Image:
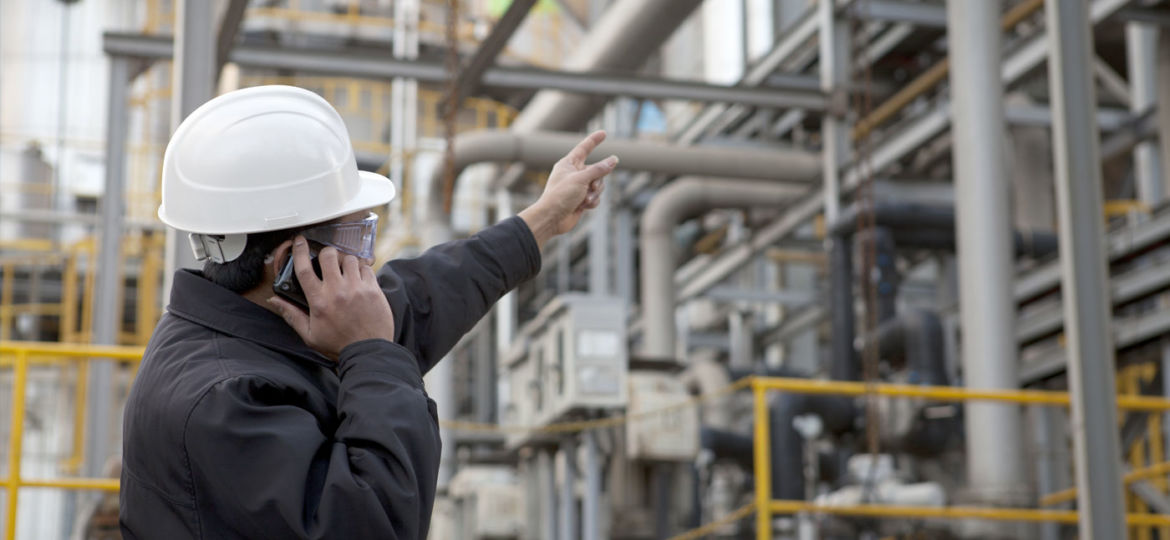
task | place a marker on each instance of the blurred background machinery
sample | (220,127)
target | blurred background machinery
(860,260)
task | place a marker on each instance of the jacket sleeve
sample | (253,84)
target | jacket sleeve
(264,467)
(440,295)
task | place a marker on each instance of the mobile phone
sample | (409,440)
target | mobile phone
(286,285)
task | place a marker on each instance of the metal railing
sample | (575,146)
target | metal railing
(766,507)
(19,356)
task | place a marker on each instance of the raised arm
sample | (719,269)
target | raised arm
(439,296)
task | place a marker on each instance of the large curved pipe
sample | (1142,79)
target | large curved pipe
(622,39)
(542,149)
(680,200)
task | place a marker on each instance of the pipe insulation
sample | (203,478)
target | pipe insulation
(683,199)
(996,465)
(544,148)
(622,39)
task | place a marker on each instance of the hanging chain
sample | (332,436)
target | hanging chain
(450,109)
(866,228)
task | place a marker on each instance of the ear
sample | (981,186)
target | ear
(277,258)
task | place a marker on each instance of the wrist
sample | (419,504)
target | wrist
(540,221)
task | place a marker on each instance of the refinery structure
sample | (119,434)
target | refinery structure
(867,268)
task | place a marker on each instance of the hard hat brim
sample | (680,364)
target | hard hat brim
(377,190)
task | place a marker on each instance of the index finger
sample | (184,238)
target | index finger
(580,153)
(308,279)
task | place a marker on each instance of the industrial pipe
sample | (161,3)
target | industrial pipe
(916,338)
(836,414)
(543,149)
(622,39)
(680,200)
(996,468)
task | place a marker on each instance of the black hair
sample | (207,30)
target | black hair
(245,272)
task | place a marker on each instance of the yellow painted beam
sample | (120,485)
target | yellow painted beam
(948,393)
(952,512)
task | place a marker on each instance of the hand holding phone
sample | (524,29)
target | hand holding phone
(288,287)
(347,303)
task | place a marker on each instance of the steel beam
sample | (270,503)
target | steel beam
(229,28)
(194,84)
(1084,272)
(1151,495)
(107,298)
(918,14)
(372,66)
(1029,56)
(468,81)
(1141,57)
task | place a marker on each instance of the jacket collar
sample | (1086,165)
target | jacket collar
(197,299)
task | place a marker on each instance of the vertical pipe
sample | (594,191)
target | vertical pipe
(547,487)
(193,84)
(624,248)
(1040,418)
(843,366)
(591,504)
(1084,276)
(440,380)
(68,326)
(599,246)
(1141,57)
(995,456)
(762,457)
(567,500)
(6,301)
(1163,85)
(16,440)
(107,300)
(834,74)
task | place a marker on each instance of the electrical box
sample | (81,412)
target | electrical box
(488,503)
(571,358)
(671,435)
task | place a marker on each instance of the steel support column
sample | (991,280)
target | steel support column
(1141,54)
(567,499)
(591,502)
(1084,273)
(107,297)
(194,84)
(1163,86)
(834,71)
(996,469)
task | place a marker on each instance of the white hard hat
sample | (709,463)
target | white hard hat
(261,159)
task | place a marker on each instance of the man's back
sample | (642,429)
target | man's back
(232,430)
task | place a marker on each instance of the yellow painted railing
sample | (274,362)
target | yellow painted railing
(766,507)
(20,355)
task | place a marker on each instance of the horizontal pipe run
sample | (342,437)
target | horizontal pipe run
(952,512)
(947,393)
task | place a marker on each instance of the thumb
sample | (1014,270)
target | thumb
(297,319)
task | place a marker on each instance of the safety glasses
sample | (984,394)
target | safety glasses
(355,237)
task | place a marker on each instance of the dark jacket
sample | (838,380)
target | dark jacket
(236,429)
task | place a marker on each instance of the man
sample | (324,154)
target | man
(254,418)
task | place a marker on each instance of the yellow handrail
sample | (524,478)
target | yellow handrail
(767,507)
(23,353)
